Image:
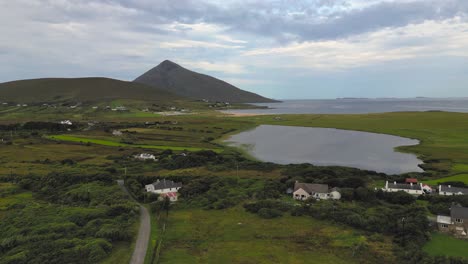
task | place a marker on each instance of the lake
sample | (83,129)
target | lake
(359,106)
(328,146)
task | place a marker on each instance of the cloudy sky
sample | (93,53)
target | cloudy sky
(281,49)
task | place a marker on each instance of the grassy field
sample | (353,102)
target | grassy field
(458,178)
(110,143)
(235,236)
(445,245)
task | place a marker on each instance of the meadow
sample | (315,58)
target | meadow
(235,236)
(442,245)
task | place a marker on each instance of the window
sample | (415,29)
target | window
(444,225)
(458,220)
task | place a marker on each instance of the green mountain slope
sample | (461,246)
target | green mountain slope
(175,78)
(80,89)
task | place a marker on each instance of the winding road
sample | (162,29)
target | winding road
(139,253)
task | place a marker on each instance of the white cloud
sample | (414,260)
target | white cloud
(186,43)
(431,38)
(230,68)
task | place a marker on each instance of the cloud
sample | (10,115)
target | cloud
(431,38)
(230,68)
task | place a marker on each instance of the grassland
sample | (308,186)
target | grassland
(110,143)
(445,245)
(235,236)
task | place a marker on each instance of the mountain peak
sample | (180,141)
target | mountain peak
(168,65)
(179,80)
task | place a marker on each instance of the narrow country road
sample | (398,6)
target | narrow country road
(139,253)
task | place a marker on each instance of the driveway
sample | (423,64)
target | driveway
(139,253)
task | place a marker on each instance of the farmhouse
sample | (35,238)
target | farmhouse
(145,156)
(456,223)
(164,189)
(66,122)
(117,133)
(450,190)
(302,191)
(411,188)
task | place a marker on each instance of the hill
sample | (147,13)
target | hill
(80,89)
(179,80)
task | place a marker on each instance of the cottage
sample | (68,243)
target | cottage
(456,223)
(117,133)
(164,188)
(411,188)
(66,122)
(145,156)
(450,190)
(302,191)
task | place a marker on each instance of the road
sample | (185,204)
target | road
(139,253)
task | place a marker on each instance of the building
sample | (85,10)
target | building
(145,156)
(66,122)
(450,190)
(411,188)
(302,191)
(411,180)
(117,133)
(456,223)
(164,188)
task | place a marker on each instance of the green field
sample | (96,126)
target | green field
(119,144)
(455,178)
(445,245)
(235,236)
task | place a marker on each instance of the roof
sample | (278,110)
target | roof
(459,212)
(445,188)
(170,194)
(442,219)
(311,187)
(159,185)
(413,180)
(404,186)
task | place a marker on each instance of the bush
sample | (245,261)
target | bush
(269,213)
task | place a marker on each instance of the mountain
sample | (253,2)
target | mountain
(80,89)
(175,78)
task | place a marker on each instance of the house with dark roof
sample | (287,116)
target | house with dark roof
(451,190)
(456,223)
(165,188)
(302,191)
(411,188)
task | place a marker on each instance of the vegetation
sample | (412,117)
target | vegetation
(443,245)
(53,219)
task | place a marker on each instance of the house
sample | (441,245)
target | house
(66,122)
(456,223)
(164,188)
(302,191)
(411,188)
(450,190)
(145,156)
(117,133)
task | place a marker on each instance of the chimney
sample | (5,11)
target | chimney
(394,182)
(411,184)
(450,186)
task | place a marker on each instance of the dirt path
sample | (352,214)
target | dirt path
(139,253)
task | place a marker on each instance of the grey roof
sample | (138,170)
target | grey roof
(445,188)
(159,185)
(459,212)
(404,186)
(311,188)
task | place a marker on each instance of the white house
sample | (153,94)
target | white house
(66,122)
(164,189)
(117,133)
(302,191)
(145,156)
(411,188)
(450,190)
